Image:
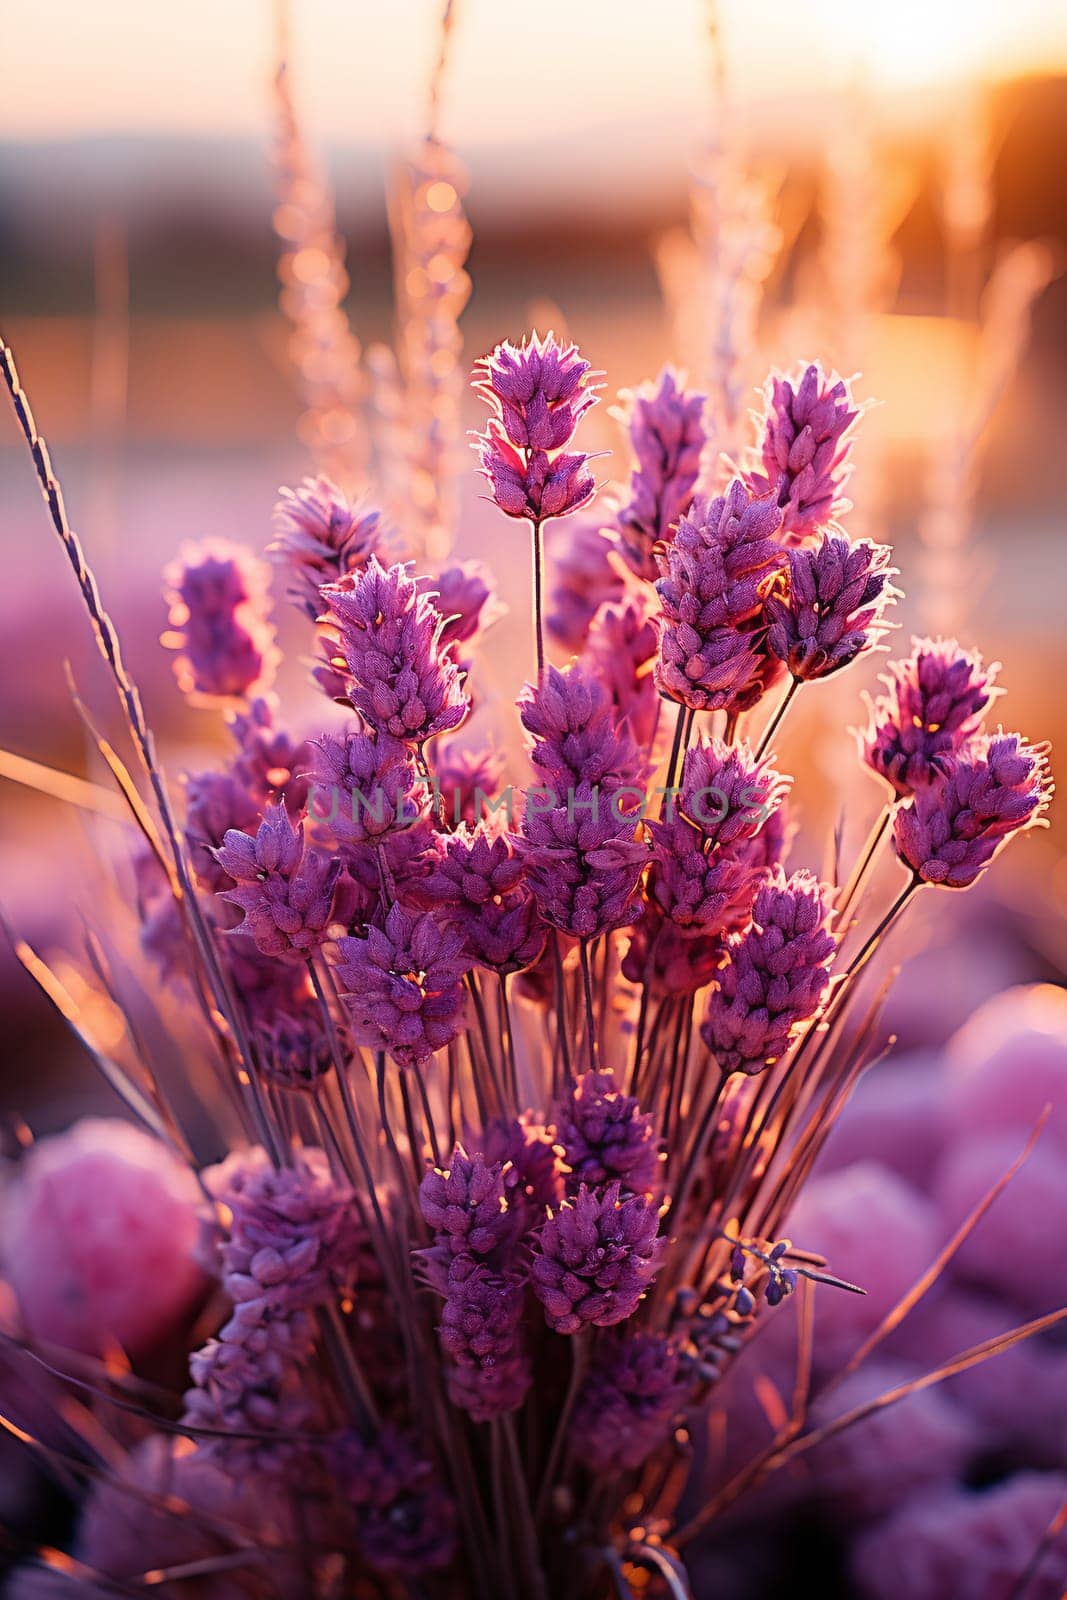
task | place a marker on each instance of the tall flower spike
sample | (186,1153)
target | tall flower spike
(666,428)
(466,1205)
(712,649)
(320,537)
(363,788)
(583,862)
(576,739)
(538,393)
(776,975)
(285,891)
(481,1332)
(830,605)
(953,827)
(482,894)
(622,648)
(293,1240)
(595,1257)
(804,450)
(628,1402)
(219,610)
(605,1135)
(727,792)
(402,986)
(388,644)
(934,704)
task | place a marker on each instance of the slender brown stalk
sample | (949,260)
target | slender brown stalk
(778,718)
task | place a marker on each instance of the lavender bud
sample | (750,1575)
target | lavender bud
(775,977)
(388,647)
(218,618)
(804,450)
(953,827)
(320,537)
(595,1257)
(402,986)
(287,893)
(935,703)
(665,424)
(605,1135)
(829,606)
(629,1402)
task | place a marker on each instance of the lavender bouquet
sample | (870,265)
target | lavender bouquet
(514,1077)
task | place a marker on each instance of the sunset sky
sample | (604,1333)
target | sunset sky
(519,71)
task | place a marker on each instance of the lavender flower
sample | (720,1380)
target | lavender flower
(954,826)
(538,393)
(404,1521)
(287,893)
(465,1205)
(829,607)
(776,975)
(218,619)
(388,643)
(728,793)
(480,881)
(666,428)
(595,1257)
(576,739)
(536,486)
(935,703)
(249,1391)
(583,863)
(403,986)
(539,390)
(712,651)
(480,1331)
(363,787)
(629,1402)
(703,891)
(320,537)
(605,1135)
(293,1237)
(804,451)
(531,1165)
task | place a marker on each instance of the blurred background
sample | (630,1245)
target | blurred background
(881,188)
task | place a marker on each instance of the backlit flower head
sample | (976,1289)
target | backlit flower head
(387,644)
(219,611)
(583,862)
(320,536)
(667,434)
(727,793)
(402,985)
(775,977)
(934,704)
(364,787)
(479,887)
(535,487)
(595,1257)
(285,891)
(576,736)
(953,827)
(712,649)
(830,605)
(804,449)
(605,1135)
(539,390)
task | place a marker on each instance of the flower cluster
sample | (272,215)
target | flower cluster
(503,1205)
